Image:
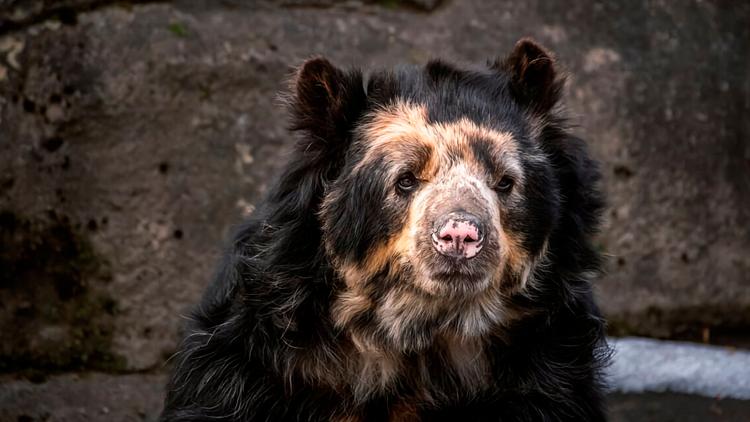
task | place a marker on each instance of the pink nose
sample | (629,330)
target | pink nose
(459,236)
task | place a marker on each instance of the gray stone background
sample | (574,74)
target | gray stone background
(134,135)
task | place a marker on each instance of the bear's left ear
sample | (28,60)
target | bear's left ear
(534,80)
(326,102)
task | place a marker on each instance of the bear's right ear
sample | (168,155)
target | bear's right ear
(326,102)
(534,79)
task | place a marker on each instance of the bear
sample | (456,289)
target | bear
(426,254)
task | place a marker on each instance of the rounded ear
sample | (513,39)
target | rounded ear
(326,100)
(325,103)
(534,81)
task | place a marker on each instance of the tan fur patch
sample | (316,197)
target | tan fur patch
(393,127)
(402,308)
(348,305)
(514,255)
(372,368)
(469,361)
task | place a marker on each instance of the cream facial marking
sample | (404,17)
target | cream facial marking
(393,128)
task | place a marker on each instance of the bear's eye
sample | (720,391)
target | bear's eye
(505,185)
(407,182)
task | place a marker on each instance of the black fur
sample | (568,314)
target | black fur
(268,308)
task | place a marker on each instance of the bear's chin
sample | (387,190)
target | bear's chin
(453,286)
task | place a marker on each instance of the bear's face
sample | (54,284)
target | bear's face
(442,199)
(436,200)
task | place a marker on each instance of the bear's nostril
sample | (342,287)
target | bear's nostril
(447,238)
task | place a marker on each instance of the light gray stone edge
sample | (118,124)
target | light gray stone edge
(647,365)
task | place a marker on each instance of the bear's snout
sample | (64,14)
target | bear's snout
(458,235)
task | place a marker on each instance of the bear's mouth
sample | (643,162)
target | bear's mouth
(461,274)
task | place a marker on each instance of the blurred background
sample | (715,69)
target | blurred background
(134,135)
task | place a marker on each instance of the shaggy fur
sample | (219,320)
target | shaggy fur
(331,303)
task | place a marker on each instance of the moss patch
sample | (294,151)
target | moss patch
(178,29)
(53,313)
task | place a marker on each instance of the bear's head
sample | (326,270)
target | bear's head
(436,195)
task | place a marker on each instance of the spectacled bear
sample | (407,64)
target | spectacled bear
(425,256)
